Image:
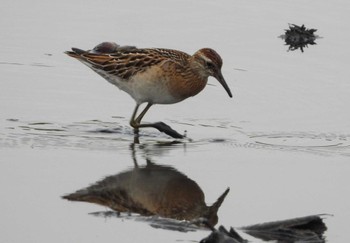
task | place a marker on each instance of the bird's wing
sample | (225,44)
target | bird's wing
(125,62)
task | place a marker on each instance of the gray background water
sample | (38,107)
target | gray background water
(282,144)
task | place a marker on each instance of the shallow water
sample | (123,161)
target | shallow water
(116,134)
(282,144)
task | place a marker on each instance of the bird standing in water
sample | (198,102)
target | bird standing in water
(153,75)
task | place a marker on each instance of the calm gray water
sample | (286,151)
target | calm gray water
(282,144)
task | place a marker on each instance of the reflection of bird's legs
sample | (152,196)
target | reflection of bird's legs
(133,154)
(134,159)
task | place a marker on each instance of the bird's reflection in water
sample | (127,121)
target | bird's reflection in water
(151,189)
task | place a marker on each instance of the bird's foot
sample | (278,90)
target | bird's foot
(162,127)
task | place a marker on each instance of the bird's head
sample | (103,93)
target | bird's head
(211,63)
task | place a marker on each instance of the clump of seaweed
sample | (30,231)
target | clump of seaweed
(299,37)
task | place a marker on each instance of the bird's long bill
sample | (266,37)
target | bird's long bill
(215,207)
(222,81)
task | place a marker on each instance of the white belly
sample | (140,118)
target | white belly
(144,87)
(149,86)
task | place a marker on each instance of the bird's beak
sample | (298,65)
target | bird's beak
(222,81)
(212,214)
(220,200)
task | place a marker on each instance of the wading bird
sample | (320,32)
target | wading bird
(153,75)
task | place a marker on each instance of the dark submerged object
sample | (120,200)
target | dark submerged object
(308,229)
(151,190)
(303,229)
(222,235)
(298,37)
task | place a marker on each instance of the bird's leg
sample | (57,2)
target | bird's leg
(161,126)
(132,119)
(142,114)
(134,124)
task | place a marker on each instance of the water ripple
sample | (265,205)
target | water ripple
(111,135)
(325,144)
(92,134)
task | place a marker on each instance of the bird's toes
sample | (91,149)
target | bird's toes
(162,127)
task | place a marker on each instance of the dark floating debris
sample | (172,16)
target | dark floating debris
(299,37)
(308,229)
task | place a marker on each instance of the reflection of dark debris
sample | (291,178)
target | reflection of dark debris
(309,229)
(222,235)
(298,37)
(304,229)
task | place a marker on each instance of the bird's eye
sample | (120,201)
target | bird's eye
(210,65)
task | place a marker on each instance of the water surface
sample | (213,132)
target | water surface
(282,144)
